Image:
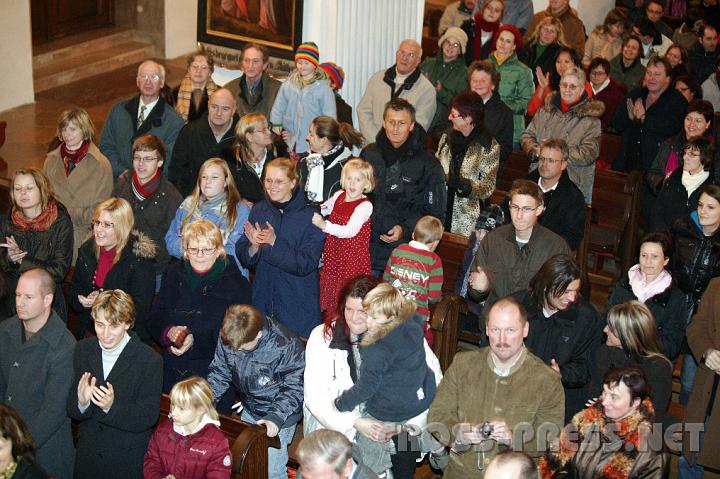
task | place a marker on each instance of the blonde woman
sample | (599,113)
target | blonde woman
(214,198)
(542,47)
(253,149)
(115,257)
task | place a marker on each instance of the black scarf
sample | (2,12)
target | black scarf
(390,154)
(389,78)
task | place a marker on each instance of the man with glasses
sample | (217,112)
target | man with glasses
(255,91)
(402,80)
(511,254)
(210,136)
(654,10)
(154,200)
(147,113)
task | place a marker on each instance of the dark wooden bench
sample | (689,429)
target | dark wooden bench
(516,167)
(248,444)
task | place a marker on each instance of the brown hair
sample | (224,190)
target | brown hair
(265,52)
(241,325)
(116,306)
(556,144)
(428,229)
(553,278)
(526,187)
(41,182)
(487,67)
(81,118)
(13,428)
(149,143)
(208,57)
(289,168)
(328,127)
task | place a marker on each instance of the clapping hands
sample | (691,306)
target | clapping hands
(88,391)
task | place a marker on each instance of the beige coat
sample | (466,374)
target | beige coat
(601,45)
(573,27)
(89,183)
(471,392)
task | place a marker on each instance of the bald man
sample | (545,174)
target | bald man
(209,136)
(402,80)
(146,113)
(36,370)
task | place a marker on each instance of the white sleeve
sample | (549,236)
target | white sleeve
(361,214)
(327,207)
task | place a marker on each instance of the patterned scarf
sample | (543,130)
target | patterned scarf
(592,419)
(185,94)
(143,192)
(40,223)
(72,158)
(315,183)
(10,471)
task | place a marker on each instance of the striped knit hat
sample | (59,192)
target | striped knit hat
(335,72)
(308,51)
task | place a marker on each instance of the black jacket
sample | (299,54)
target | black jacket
(668,308)
(696,257)
(571,337)
(546,61)
(194,113)
(344,111)
(154,215)
(702,63)
(248,183)
(195,144)
(499,123)
(404,191)
(113,444)
(641,141)
(673,202)
(564,212)
(331,183)
(134,273)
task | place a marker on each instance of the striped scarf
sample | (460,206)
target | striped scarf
(143,192)
(185,93)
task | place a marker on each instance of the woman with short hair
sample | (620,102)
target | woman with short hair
(191,96)
(604,89)
(626,67)
(17,450)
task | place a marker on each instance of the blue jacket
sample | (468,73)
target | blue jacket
(201,309)
(286,285)
(120,131)
(268,379)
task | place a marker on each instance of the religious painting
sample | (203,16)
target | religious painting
(277,24)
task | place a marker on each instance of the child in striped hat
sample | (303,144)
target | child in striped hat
(337,77)
(305,95)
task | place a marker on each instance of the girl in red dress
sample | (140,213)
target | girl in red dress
(347,247)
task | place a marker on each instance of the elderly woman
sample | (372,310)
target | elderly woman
(540,50)
(482,29)
(79,174)
(17,451)
(606,40)
(651,283)
(549,82)
(37,232)
(117,399)
(626,67)
(187,314)
(284,248)
(605,89)
(570,115)
(609,439)
(516,83)
(215,198)
(191,96)
(332,364)
(470,158)
(115,257)
(681,190)
(448,73)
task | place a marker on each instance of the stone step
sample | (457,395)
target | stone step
(80,45)
(63,71)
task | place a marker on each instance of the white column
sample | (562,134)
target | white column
(180,27)
(16,54)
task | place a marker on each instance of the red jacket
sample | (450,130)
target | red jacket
(205,454)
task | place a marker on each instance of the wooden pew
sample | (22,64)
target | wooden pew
(516,167)
(248,444)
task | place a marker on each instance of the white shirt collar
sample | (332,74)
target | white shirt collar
(148,108)
(545,190)
(602,87)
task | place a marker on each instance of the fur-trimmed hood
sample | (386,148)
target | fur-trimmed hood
(142,245)
(374,335)
(585,107)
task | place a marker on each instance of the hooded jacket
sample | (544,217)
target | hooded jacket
(579,127)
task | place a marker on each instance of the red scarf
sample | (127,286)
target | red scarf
(143,192)
(40,223)
(566,106)
(104,265)
(72,158)
(480,26)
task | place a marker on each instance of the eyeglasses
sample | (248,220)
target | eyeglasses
(453,44)
(568,86)
(269,182)
(548,160)
(598,73)
(145,77)
(201,251)
(103,224)
(525,209)
(402,53)
(146,160)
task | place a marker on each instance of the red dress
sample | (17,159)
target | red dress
(344,258)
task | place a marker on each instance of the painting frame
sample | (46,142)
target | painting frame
(216,27)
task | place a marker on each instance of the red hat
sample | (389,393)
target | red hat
(512,29)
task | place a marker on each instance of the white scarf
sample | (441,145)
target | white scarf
(315,184)
(644,290)
(693,182)
(601,87)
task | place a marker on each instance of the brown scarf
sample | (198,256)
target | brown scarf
(40,223)
(185,94)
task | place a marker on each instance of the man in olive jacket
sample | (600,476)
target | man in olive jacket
(36,371)
(500,397)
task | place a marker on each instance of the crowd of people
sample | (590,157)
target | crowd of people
(243,247)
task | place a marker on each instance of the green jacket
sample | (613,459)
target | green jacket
(453,78)
(516,89)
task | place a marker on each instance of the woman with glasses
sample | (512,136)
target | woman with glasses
(605,89)
(190,98)
(214,198)
(548,82)
(187,314)
(284,248)
(115,257)
(570,115)
(540,49)
(37,232)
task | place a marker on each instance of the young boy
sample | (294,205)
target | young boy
(416,270)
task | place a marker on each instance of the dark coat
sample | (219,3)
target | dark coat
(204,454)
(641,141)
(26,470)
(50,250)
(35,378)
(612,96)
(248,183)
(344,111)
(268,379)
(405,191)
(154,215)
(499,123)
(631,77)
(570,337)
(202,310)
(286,284)
(193,113)
(195,144)
(263,103)
(134,273)
(702,63)
(113,444)
(668,308)
(331,182)
(673,202)
(696,257)
(546,61)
